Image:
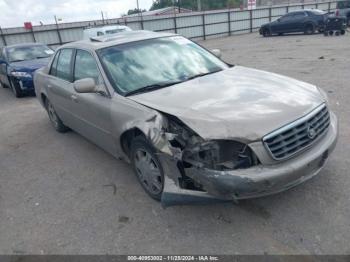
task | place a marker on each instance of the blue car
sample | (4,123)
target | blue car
(303,21)
(18,64)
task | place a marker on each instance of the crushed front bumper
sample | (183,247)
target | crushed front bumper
(248,183)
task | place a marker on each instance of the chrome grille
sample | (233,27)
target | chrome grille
(294,137)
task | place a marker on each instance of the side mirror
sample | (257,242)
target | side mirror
(86,85)
(217,53)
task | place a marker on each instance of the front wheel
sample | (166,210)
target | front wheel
(266,32)
(54,119)
(16,89)
(147,167)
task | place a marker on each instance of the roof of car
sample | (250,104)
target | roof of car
(116,39)
(306,10)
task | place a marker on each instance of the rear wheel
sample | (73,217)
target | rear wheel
(54,119)
(147,167)
(309,29)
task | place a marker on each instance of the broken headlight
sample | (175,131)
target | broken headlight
(216,154)
(220,155)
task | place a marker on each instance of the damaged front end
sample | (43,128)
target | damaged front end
(192,155)
(197,170)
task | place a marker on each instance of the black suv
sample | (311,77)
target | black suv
(306,21)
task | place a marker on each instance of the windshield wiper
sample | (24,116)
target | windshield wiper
(202,74)
(150,88)
(38,57)
(19,60)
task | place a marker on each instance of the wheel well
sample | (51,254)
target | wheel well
(43,99)
(127,137)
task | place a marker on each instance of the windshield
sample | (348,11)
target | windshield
(318,12)
(28,52)
(155,62)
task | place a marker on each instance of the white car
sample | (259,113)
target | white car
(104,30)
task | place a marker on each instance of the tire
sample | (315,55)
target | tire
(342,32)
(54,119)
(266,32)
(331,32)
(309,29)
(16,89)
(337,33)
(147,167)
(348,22)
(280,34)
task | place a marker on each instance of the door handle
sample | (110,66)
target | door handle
(74,98)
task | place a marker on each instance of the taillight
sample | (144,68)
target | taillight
(337,12)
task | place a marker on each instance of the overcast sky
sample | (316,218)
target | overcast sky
(15,13)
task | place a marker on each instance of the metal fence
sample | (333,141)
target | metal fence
(194,25)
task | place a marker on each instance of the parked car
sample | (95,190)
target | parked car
(192,126)
(18,64)
(343,9)
(306,21)
(104,30)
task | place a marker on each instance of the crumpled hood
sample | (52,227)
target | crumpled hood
(29,65)
(237,103)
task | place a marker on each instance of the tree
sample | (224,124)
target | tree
(193,4)
(135,11)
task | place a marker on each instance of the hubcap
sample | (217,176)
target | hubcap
(52,114)
(148,172)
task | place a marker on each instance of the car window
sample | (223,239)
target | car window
(86,67)
(99,33)
(299,15)
(53,70)
(286,17)
(64,64)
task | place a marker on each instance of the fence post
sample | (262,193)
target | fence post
(270,14)
(32,31)
(251,20)
(316,5)
(175,23)
(287,9)
(58,32)
(329,7)
(229,22)
(203,21)
(142,26)
(3,37)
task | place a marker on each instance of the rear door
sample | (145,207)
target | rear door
(60,86)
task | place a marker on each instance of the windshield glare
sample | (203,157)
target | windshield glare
(156,61)
(28,53)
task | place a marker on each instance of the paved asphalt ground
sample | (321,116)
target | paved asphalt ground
(60,194)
